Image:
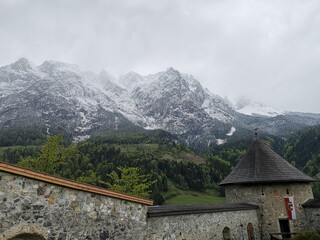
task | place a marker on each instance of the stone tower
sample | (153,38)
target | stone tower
(264,178)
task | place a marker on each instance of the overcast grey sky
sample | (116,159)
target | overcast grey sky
(266,50)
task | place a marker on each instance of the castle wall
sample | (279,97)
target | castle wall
(49,211)
(204,226)
(55,212)
(313,216)
(272,207)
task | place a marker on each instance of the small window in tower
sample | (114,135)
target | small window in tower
(250,231)
(226,233)
(288,191)
(262,192)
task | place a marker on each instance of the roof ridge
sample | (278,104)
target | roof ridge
(6,167)
(256,170)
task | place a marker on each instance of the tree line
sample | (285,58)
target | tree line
(105,165)
(102,160)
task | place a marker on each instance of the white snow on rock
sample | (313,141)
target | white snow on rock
(232,130)
(260,111)
(84,101)
(221,141)
(247,107)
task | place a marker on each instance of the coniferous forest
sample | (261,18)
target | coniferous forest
(154,161)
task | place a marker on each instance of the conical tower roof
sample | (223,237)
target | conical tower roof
(262,165)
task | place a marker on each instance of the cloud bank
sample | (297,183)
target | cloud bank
(266,50)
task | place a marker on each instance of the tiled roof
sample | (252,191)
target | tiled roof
(262,165)
(5,167)
(172,210)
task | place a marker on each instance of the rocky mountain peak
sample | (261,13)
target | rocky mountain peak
(171,80)
(23,65)
(60,97)
(171,70)
(53,66)
(106,76)
(130,80)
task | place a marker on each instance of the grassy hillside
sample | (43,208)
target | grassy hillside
(192,197)
(178,196)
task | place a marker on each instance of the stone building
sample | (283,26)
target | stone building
(263,178)
(40,206)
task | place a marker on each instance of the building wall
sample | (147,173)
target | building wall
(270,199)
(313,216)
(48,211)
(54,212)
(204,226)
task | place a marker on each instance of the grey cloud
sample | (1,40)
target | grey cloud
(268,50)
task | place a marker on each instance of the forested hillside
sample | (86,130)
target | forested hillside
(163,167)
(302,149)
(156,156)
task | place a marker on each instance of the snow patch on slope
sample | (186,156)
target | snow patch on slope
(221,141)
(247,107)
(259,110)
(232,130)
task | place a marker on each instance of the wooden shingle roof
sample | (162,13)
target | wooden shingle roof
(5,167)
(262,165)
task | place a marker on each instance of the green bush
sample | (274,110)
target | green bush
(307,235)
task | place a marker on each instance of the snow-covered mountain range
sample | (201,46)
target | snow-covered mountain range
(59,97)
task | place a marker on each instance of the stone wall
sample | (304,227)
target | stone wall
(313,216)
(270,199)
(204,226)
(29,206)
(32,208)
(41,210)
